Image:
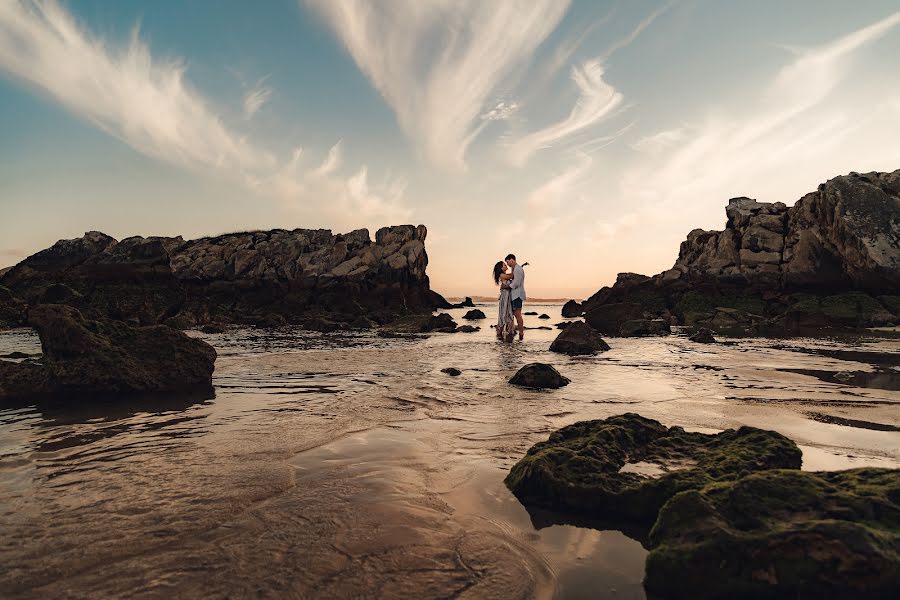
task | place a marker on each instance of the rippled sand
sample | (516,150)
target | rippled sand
(350,466)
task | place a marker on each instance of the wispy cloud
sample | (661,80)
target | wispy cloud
(148,104)
(438,63)
(126,92)
(255,98)
(501,111)
(656,143)
(597,100)
(550,195)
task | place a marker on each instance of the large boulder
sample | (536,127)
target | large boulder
(539,376)
(578,338)
(781,534)
(105,358)
(627,467)
(474,315)
(829,261)
(572,309)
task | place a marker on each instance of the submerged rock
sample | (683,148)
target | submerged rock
(105,358)
(539,376)
(467,329)
(572,309)
(578,338)
(703,336)
(530,313)
(588,468)
(474,315)
(544,316)
(781,534)
(645,327)
(452,371)
(442,323)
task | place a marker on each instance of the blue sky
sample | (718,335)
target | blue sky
(588,137)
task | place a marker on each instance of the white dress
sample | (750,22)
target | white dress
(506,324)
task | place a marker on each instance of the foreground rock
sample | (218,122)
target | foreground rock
(578,339)
(539,376)
(830,261)
(105,358)
(474,315)
(572,309)
(784,534)
(258,278)
(703,336)
(627,467)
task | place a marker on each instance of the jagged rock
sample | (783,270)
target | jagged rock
(12,309)
(539,376)
(452,371)
(643,327)
(250,277)
(773,267)
(578,339)
(474,315)
(105,358)
(467,329)
(442,323)
(467,303)
(627,467)
(572,309)
(781,534)
(703,336)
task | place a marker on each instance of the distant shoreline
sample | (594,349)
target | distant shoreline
(456,299)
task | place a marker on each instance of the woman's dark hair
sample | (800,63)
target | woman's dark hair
(498,269)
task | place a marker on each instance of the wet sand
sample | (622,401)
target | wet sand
(348,465)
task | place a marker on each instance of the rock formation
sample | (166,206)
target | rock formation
(263,277)
(593,468)
(539,376)
(105,358)
(572,309)
(831,260)
(474,315)
(578,339)
(781,534)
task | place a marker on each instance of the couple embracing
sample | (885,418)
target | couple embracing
(510,276)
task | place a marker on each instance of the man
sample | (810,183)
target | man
(517,292)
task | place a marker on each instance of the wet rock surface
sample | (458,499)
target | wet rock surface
(830,261)
(781,534)
(584,468)
(474,315)
(105,358)
(267,278)
(578,339)
(539,376)
(572,309)
(703,336)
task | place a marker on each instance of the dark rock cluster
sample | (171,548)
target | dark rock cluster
(831,260)
(724,515)
(578,338)
(307,277)
(102,358)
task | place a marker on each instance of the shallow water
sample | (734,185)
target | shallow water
(349,465)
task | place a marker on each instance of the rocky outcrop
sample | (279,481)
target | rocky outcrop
(105,358)
(644,327)
(831,260)
(703,336)
(572,309)
(781,534)
(578,339)
(539,376)
(474,315)
(262,277)
(627,467)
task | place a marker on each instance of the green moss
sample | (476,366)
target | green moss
(577,469)
(781,533)
(891,303)
(850,309)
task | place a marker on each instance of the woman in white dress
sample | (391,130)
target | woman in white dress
(506,322)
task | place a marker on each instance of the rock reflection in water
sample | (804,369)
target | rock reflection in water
(349,465)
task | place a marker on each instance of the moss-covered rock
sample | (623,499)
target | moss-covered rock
(594,468)
(539,376)
(851,309)
(781,534)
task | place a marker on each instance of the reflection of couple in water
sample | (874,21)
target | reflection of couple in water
(510,276)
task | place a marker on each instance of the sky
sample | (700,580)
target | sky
(587,137)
